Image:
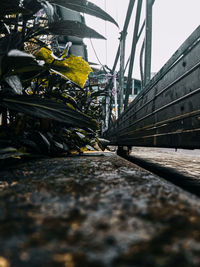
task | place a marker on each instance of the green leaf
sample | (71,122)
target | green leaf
(46,108)
(70,28)
(32,5)
(11,152)
(42,141)
(32,68)
(80,135)
(9,7)
(7,150)
(49,10)
(16,62)
(90,147)
(15,84)
(103,143)
(10,42)
(84,7)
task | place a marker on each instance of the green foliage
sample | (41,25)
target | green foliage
(85,7)
(43,110)
(65,27)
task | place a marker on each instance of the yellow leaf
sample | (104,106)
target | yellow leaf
(16,157)
(72,68)
(45,54)
(70,106)
(42,82)
(82,149)
(29,91)
(78,70)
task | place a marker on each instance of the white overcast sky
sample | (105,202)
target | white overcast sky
(173,22)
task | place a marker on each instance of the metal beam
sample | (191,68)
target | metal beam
(148,42)
(127,20)
(133,50)
(121,77)
(139,34)
(141,64)
(126,24)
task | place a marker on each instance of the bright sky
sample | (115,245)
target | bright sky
(173,22)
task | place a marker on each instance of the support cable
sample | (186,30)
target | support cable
(97,55)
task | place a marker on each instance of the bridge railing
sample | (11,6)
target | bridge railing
(167,111)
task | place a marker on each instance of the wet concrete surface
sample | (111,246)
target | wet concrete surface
(184,161)
(95,210)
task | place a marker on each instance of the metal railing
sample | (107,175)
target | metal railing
(167,111)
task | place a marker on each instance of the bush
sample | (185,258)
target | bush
(45,107)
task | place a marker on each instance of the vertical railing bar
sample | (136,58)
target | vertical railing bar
(148,42)
(141,64)
(121,73)
(133,50)
(126,24)
(139,35)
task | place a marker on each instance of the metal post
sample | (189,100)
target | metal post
(134,43)
(148,42)
(121,78)
(107,113)
(115,94)
(126,23)
(139,34)
(103,108)
(141,64)
(106,45)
